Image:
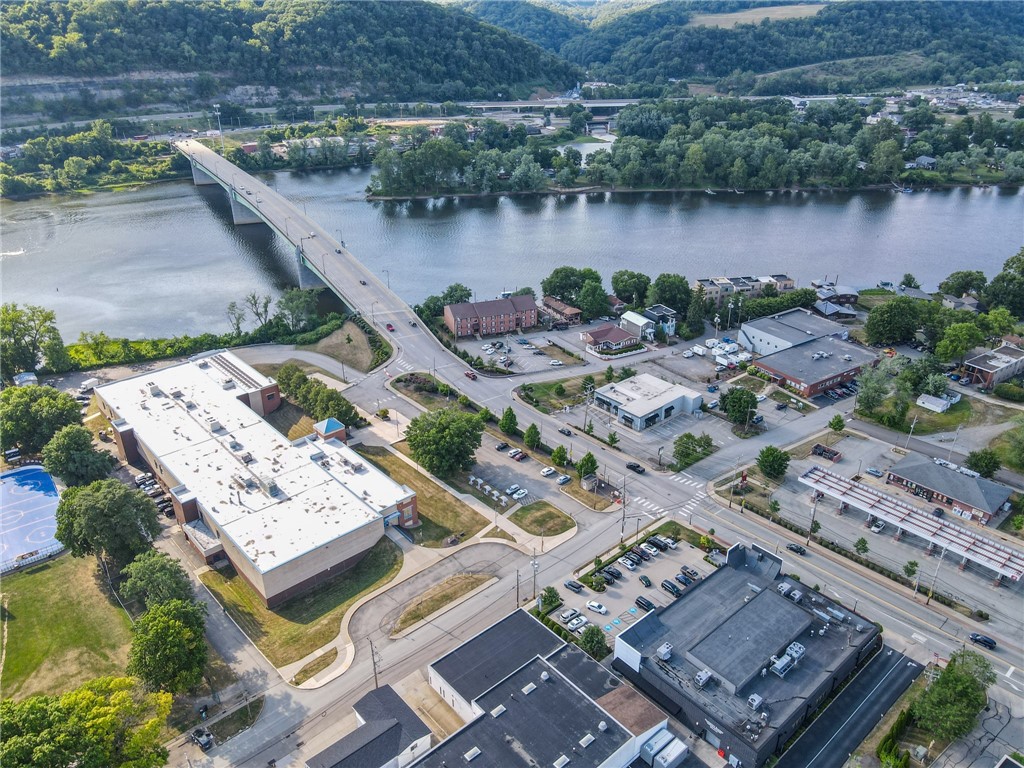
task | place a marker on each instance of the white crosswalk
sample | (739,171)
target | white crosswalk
(685,479)
(405,366)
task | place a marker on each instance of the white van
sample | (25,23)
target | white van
(711,343)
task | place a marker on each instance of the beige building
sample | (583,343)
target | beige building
(287,515)
(721,289)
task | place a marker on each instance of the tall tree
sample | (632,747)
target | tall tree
(592,642)
(689,449)
(106,518)
(565,283)
(110,722)
(773,462)
(28,335)
(837,424)
(559,456)
(456,293)
(964,281)
(909,281)
(508,422)
(673,291)
(631,286)
(298,306)
(260,308)
(957,341)
(70,456)
(30,416)
(444,441)
(168,650)
(738,403)
(874,387)
(949,707)
(695,313)
(1007,288)
(592,300)
(532,436)
(893,322)
(155,577)
(984,461)
(586,466)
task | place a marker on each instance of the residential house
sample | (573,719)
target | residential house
(608,338)
(618,306)
(721,289)
(637,324)
(925,162)
(662,316)
(843,295)
(496,316)
(913,293)
(563,312)
(996,366)
(831,311)
(965,302)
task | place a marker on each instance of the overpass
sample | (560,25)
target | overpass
(253,202)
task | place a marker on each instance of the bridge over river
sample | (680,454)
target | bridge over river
(253,202)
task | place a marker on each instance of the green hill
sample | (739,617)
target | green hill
(399,50)
(541,24)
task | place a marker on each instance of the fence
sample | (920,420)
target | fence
(30,558)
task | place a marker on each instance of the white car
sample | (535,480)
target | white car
(596,607)
(555,362)
(514,452)
(490,351)
(503,359)
(577,623)
(626,563)
(548,471)
(687,353)
(512,489)
(761,398)
(528,346)
(520,494)
(650,550)
(878,527)
(486,347)
(563,479)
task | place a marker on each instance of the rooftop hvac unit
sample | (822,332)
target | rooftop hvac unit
(665,651)
(269,486)
(702,678)
(838,615)
(212,424)
(822,615)
(754,701)
(154,389)
(227,384)
(783,588)
(796,651)
(796,595)
(782,666)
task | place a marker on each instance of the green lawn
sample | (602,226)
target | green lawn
(542,519)
(437,597)
(1001,445)
(969,412)
(441,514)
(62,629)
(290,420)
(310,621)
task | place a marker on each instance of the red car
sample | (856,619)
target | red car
(470,375)
(521,457)
(390,327)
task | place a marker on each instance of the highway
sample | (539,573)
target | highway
(293,716)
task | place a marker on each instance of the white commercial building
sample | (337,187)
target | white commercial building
(287,515)
(785,330)
(644,400)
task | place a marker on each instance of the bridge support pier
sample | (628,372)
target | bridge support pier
(307,277)
(241,213)
(201,178)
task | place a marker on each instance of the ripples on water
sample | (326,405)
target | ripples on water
(167,259)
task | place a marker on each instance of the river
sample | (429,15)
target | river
(166,259)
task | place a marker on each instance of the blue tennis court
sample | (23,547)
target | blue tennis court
(28,513)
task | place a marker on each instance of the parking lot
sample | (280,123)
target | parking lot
(530,355)
(619,599)
(498,471)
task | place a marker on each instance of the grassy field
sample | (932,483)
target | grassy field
(441,514)
(290,420)
(347,345)
(1001,445)
(592,500)
(319,664)
(542,519)
(237,721)
(869,298)
(547,397)
(437,597)
(61,628)
(969,412)
(754,15)
(310,621)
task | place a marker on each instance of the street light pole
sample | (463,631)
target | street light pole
(387,273)
(216,111)
(957,435)
(718,320)
(810,528)
(935,577)
(729,322)
(912,425)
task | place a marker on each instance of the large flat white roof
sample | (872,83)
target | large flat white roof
(643,393)
(275,500)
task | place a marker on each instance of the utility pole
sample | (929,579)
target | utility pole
(518,602)
(622,502)
(374,658)
(536,567)
(810,528)
(912,425)
(950,456)
(935,577)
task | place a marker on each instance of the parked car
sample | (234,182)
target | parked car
(878,527)
(719,368)
(634,467)
(565,431)
(573,586)
(712,387)
(568,615)
(640,553)
(501,446)
(645,581)
(521,456)
(555,362)
(362,282)
(579,621)
(634,558)
(390,327)
(548,471)
(514,452)
(471,375)
(626,563)
(563,479)
(761,398)
(671,588)
(522,493)
(512,489)
(596,607)
(613,571)
(691,572)
(608,578)
(796,548)
(781,406)
(145,477)
(757,419)
(656,542)
(643,602)
(683,579)
(938,512)
(983,640)
(652,551)
(202,738)
(874,472)
(668,541)
(712,405)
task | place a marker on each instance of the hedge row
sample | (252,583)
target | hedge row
(1009,391)
(889,748)
(380,348)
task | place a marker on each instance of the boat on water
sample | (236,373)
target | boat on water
(709,191)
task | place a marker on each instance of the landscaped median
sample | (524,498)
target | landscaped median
(438,597)
(542,519)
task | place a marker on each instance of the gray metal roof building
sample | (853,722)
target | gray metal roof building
(971,497)
(740,663)
(815,367)
(794,327)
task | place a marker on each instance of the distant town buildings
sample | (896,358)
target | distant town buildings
(816,366)
(287,515)
(721,289)
(662,316)
(485,318)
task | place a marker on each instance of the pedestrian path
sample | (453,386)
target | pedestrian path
(685,479)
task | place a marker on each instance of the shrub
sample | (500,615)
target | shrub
(1009,391)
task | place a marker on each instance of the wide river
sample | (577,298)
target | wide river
(166,259)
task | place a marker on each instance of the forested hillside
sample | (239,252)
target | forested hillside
(538,23)
(384,50)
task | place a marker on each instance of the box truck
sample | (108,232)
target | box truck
(697,349)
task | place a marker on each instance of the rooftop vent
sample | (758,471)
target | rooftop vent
(602,726)
(227,384)
(702,678)
(212,424)
(204,363)
(154,389)
(587,740)
(665,651)
(545,676)
(473,753)
(754,701)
